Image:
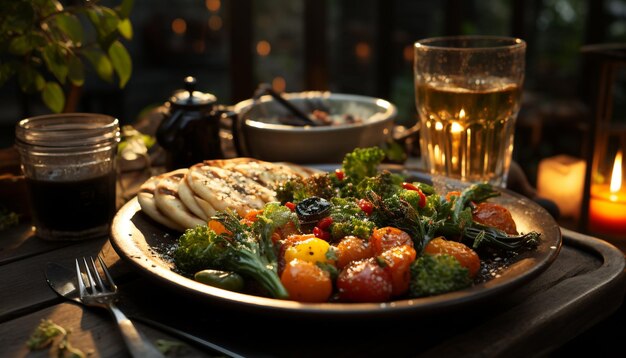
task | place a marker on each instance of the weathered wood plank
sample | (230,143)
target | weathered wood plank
(23,282)
(93,332)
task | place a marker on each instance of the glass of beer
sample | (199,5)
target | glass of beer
(467,93)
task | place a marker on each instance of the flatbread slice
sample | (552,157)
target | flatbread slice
(228,189)
(265,173)
(146,200)
(168,200)
(189,198)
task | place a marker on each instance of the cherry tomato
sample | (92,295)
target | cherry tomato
(306,282)
(398,261)
(325,223)
(352,248)
(495,215)
(467,257)
(387,237)
(339,174)
(321,234)
(366,206)
(364,281)
(291,206)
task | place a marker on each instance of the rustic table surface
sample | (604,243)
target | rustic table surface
(584,286)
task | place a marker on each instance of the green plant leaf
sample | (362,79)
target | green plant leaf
(76,72)
(53,96)
(121,62)
(103,19)
(20,45)
(70,26)
(125,28)
(24,44)
(125,8)
(100,63)
(7,70)
(56,61)
(30,80)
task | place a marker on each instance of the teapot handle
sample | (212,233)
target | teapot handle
(227,112)
(167,132)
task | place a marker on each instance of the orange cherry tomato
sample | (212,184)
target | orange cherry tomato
(387,237)
(398,261)
(306,282)
(495,215)
(364,281)
(467,257)
(352,248)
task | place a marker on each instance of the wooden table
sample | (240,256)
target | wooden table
(584,286)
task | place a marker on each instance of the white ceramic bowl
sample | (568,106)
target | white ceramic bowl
(312,144)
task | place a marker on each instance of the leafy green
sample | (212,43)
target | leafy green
(437,274)
(44,336)
(242,251)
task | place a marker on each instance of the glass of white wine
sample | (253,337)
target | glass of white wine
(467,92)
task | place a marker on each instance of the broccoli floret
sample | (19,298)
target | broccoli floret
(362,163)
(298,189)
(349,219)
(241,251)
(191,254)
(384,184)
(437,274)
(354,226)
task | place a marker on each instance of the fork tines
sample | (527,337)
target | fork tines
(95,281)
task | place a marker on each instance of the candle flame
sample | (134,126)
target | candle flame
(616,176)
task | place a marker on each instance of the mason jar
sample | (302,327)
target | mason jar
(68,161)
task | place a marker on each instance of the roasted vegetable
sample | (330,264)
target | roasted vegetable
(348,219)
(221,279)
(243,251)
(296,190)
(437,274)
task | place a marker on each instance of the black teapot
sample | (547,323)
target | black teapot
(190,130)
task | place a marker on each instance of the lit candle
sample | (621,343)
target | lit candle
(562,179)
(607,205)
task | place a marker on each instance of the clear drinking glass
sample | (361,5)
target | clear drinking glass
(68,161)
(467,93)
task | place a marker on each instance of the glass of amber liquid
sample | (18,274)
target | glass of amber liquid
(467,93)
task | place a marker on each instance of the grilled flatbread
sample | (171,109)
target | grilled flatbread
(146,200)
(265,173)
(190,200)
(228,189)
(168,200)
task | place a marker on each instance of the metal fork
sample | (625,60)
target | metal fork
(101,292)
